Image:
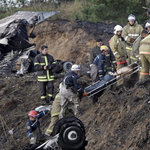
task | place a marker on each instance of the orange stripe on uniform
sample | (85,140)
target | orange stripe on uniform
(144,52)
(123,62)
(142,73)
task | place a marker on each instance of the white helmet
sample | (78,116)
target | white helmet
(117,28)
(75,67)
(147,24)
(131,17)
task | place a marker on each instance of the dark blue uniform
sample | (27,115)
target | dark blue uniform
(100,61)
(31,126)
(70,80)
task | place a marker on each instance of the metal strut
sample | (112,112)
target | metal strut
(123,76)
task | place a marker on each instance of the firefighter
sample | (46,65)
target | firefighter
(99,63)
(130,33)
(135,48)
(44,63)
(56,108)
(33,129)
(68,92)
(117,46)
(144,52)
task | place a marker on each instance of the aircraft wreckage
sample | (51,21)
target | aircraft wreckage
(14,39)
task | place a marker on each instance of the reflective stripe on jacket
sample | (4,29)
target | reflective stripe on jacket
(118,47)
(145,45)
(70,79)
(42,60)
(31,126)
(131,32)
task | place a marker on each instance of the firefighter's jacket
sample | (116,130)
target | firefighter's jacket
(100,62)
(109,60)
(31,126)
(131,32)
(117,46)
(42,60)
(145,45)
(135,49)
(70,80)
(95,52)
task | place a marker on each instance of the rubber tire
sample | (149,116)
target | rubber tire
(67,66)
(63,121)
(71,143)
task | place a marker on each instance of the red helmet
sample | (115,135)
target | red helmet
(32,113)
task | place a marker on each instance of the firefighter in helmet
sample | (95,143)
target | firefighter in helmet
(130,33)
(117,46)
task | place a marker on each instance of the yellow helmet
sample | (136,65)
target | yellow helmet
(104,48)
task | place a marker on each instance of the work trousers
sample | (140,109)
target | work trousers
(68,100)
(129,54)
(54,114)
(118,67)
(94,73)
(50,90)
(145,60)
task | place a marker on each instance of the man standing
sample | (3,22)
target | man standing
(117,46)
(96,50)
(135,48)
(130,33)
(44,63)
(144,52)
(68,92)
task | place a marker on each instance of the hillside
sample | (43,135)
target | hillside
(120,119)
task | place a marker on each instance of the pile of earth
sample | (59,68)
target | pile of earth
(120,118)
(71,41)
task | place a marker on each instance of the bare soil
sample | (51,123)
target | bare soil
(118,121)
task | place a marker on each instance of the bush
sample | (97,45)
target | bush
(111,10)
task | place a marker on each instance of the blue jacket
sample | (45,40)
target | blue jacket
(70,79)
(32,125)
(100,61)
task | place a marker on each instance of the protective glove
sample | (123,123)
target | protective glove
(32,140)
(85,93)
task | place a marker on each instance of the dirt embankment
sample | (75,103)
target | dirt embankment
(71,41)
(120,119)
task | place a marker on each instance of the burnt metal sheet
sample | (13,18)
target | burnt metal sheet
(14,40)
(29,16)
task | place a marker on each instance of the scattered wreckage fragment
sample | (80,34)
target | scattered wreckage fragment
(68,134)
(14,37)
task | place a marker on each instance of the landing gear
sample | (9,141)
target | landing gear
(71,133)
